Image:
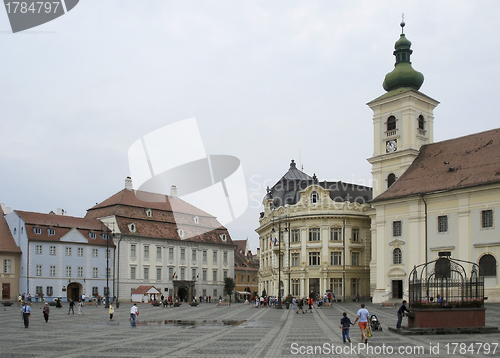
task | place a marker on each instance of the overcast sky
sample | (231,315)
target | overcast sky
(267,81)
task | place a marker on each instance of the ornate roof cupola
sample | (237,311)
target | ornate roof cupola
(403,74)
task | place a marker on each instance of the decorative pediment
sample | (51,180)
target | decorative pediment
(396,272)
(397,242)
(74,236)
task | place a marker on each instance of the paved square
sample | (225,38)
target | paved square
(228,331)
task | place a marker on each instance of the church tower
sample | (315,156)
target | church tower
(402,120)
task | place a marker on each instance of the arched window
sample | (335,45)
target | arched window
(421,122)
(391,123)
(397,258)
(488,266)
(314,197)
(391,178)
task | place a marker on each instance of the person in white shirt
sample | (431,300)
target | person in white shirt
(363,315)
(134,312)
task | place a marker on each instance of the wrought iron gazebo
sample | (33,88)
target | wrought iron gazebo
(444,283)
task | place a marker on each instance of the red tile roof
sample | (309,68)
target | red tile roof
(142,290)
(62,225)
(7,243)
(460,163)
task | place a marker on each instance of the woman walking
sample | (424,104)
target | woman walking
(46,311)
(111,311)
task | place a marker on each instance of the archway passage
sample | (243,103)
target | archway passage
(183,294)
(74,291)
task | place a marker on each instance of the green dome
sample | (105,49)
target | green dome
(403,74)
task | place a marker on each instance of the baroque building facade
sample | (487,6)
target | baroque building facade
(186,255)
(429,198)
(314,237)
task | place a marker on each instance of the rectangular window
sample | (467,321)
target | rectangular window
(336,286)
(133,251)
(51,232)
(204,275)
(146,273)
(224,274)
(295,287)
(170,253)
(214,275)
(225,257)
(95,253)
(158,274)
(183,254)
(314,259)
(443,223)
(80,251)
(205,256)
(204,293)
(39,270)
(193,274)
(133,270)
(52,250)
(248,278)
(108,272)
(158,252)
(146,252)
(487,218)
(396,228)
(80,271)
(95,272)
(38,249)
(108,253)
(39,290)
(171,273)
(295,258)
(355,259)
(68,251)
(355,285)
(242,278)
(52,271)
(68,271)
(95,291)
(336,234)
(295,235)
(214,259)
(215,293)
(193,256)
(183,273)
(92,235)
(6,266)
(37,230)
(336,258)
(314,234)
(50,290)
(104,236)
(355,234)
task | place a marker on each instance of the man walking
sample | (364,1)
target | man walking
(26,312)
(46,311)
(71,306)
(363,315)
(401,313)
(134,312)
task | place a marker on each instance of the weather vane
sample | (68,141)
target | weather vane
(402,22)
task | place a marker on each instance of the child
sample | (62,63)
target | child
(345,324)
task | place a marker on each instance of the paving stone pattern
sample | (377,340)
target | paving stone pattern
(208,330)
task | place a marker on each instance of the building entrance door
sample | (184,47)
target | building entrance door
(397,289)
(313,287)
(6,291)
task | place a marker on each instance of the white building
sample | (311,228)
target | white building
(186,255)
(62,256)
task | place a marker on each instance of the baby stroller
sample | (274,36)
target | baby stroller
(375,323)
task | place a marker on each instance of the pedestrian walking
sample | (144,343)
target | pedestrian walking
(310,303)
(401,313)
(345,324)
(26,313)
(294,303)
(46,311)
(363,315)
(111,311)
(71,306)
(301,305)
(134,312)
(80,307)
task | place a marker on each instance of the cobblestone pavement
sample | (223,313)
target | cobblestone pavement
(208,330)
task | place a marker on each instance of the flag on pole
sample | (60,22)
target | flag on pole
(248,258)
(275,241)
(173,276)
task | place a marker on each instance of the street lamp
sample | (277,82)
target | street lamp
(279,264)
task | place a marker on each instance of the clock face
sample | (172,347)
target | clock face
(391,146)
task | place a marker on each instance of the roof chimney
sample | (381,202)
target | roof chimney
(173,191)
(60,211)
(128,183)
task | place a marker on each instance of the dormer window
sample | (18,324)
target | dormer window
(37,230)
(51,232)
(104,236)
(149,213)
(92,235)
(314,197)
(391,123)
(196,220)
(223,237)
(132,227)
(180,232)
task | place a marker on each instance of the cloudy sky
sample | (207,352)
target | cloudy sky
(267,81)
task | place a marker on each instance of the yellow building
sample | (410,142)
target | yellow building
(428,197)
(321,231)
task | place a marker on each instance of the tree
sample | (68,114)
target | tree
(229,287)
(264,293)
